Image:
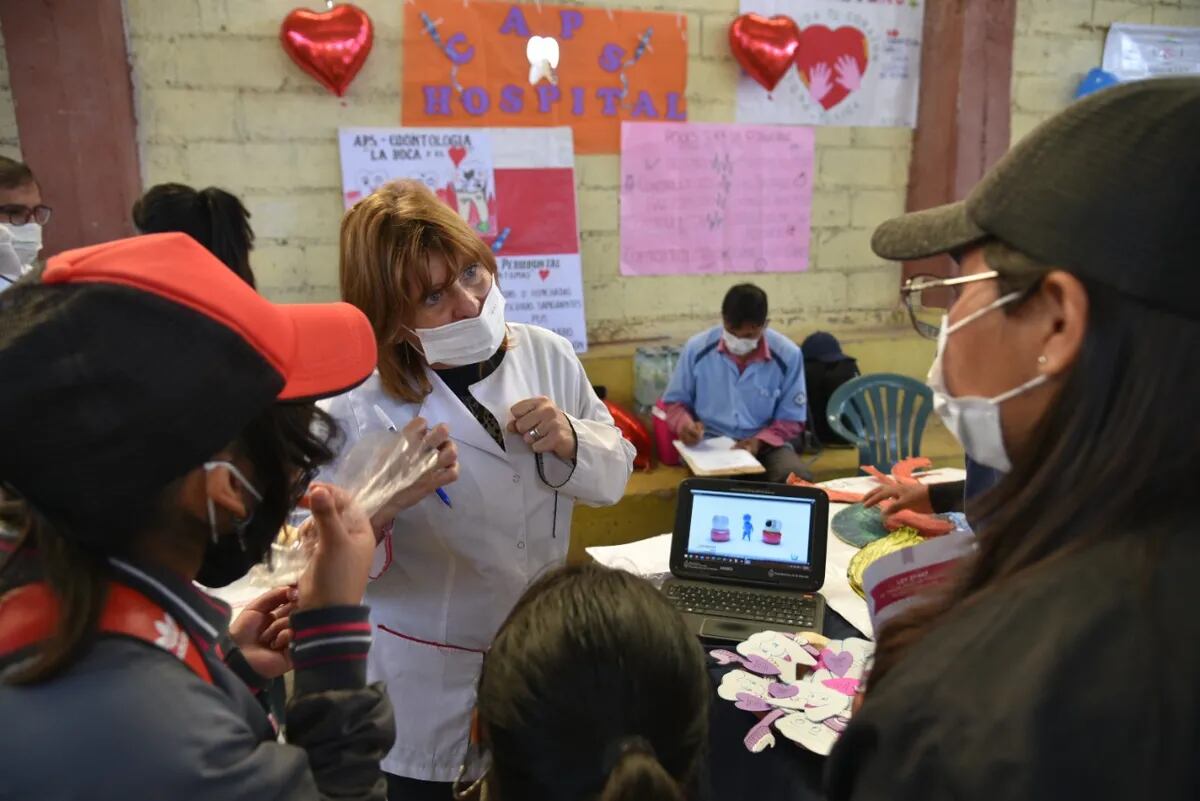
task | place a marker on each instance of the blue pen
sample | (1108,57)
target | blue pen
(387,422)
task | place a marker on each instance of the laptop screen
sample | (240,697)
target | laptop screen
(745,528)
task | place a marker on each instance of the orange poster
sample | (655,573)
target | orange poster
(500,65)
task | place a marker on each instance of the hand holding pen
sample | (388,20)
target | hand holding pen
(444,470)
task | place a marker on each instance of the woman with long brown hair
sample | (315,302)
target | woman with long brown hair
(1062,659)
(521,434)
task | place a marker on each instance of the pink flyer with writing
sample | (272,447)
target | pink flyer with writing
(714,198)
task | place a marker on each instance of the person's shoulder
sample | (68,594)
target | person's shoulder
(706,338)
(339,405)
(539,342)
(782,345)
(129,703)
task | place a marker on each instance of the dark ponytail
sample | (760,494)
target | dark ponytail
(637,775)
(593,689)
(212,216)
(232,238)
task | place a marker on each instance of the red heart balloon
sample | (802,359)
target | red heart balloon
(329,45)
(832,62)
(764,47)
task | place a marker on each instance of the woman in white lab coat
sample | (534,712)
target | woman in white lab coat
(530,437)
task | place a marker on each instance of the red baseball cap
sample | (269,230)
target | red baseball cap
(318,349)
(132,362)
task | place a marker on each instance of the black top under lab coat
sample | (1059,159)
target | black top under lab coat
(1080,680)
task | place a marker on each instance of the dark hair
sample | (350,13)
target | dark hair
(593,689)
(213,217)
(744,303)
(285,440)
(1075,484)
(14,174)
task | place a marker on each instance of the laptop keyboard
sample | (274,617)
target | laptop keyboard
(788,610)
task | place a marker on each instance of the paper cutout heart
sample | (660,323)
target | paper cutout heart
(764,47)
(838,664)
(751,703)
(760,666)
(544,274)
(457,154)
(844,686)
(832,62)
(331,46)
(777,690)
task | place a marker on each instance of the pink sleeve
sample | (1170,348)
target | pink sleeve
(780,432)
(679,416)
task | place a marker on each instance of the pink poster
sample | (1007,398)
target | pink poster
(715,198)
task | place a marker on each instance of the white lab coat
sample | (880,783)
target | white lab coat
(456,573)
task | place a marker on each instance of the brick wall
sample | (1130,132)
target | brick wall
(1058,41)
(219,103)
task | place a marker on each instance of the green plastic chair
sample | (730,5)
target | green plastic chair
(884,414)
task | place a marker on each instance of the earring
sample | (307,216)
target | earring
(1042,360)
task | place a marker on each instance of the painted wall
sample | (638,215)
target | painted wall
(1058,41)
(219,103)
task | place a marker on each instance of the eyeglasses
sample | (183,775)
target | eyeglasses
(925,299)
(21,215)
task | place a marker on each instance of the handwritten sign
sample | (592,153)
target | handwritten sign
(713,198)
(858,64)
(455,164)
(500,64)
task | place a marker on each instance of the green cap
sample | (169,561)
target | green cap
(1108,189)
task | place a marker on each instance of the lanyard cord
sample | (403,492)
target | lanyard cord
(541,471)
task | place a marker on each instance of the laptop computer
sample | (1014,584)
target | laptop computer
(748,557)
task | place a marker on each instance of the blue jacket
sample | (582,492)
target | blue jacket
(739,405)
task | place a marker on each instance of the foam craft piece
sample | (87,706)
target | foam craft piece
(799,685)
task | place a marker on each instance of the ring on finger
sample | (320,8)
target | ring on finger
(534,433)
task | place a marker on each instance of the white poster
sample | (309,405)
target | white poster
(1133,52)
(857,64)
(516,186)
(455,163)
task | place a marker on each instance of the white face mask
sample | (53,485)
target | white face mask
(736,345)
(26,241)
(974,421)
(466,341)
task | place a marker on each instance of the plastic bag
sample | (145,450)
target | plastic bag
(652,369)
(379,466)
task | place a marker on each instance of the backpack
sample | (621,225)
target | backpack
(823,376)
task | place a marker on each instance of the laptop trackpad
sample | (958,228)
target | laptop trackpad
(727,629)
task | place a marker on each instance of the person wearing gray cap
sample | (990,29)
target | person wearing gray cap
(1060,660)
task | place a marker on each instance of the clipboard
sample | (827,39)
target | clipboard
(718,457)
